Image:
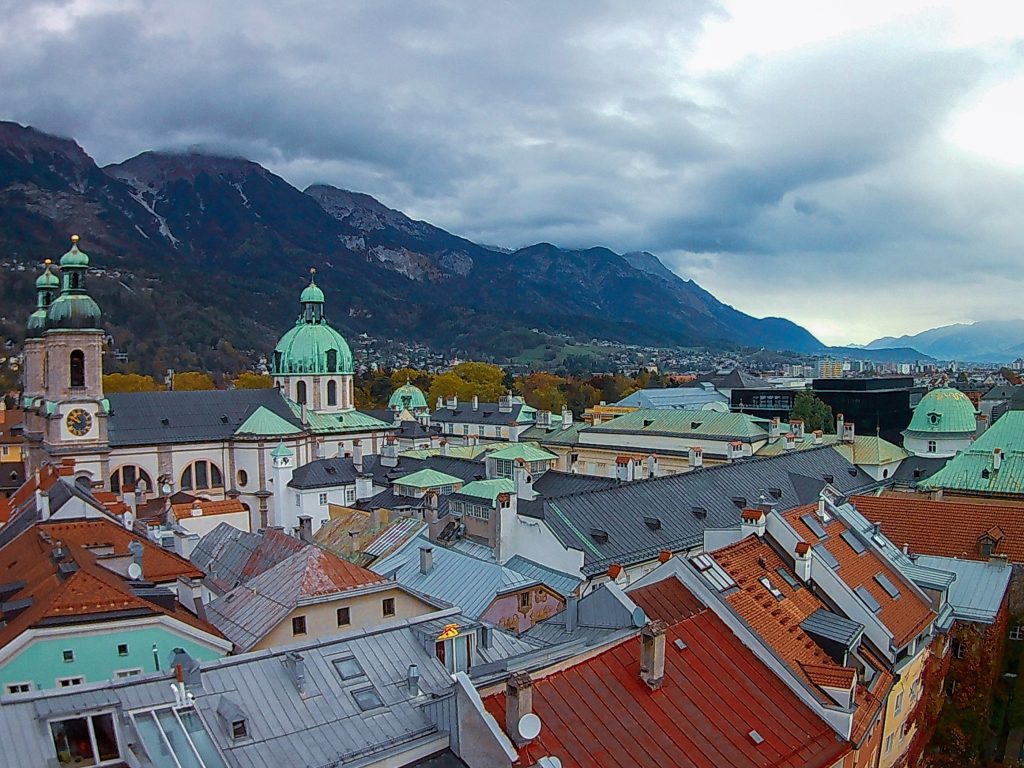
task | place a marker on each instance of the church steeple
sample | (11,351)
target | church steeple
(312,300)
(47,288)
(74,308)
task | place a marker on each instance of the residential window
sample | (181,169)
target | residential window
(465,429)
(18,687)
(298,500)
(899,703)
(332,392)
(201,475)
(932,446)
(958,649)
(299,625)
(300,393)
(243,478)
(344,616)
(89,740)
(1017,633)
(77,368)
(524,600)
(239,730)
(67,682)
(323,499)
(480,430)
(122,649)
(128,672)
(388,606)
(889,741)
(69,656)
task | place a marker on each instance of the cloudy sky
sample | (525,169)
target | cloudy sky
(858,170)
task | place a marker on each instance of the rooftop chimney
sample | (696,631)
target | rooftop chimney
(476,403)
(790,441)
(357,455)
(306,529)
(566,418)
(379,518)
(389,452)
(505,403)
(136,548)
(752,522)
(296,666)
(802,561)
(652,654)
(819,437)
(997,458)
(364,487)
(773,429)
(543,419)
(426,559)
(444,448)
(797,425)
(572,613)
(453,402)
(440,403)
(518,704)
(412,680)
(848,432)
(840,427)
(696,456)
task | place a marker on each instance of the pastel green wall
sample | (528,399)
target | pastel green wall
(96,657)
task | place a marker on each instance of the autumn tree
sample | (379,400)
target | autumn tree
(189,381)
(544,391)
(250,380)
(484,380)
(816,413)
(130,382)
(421,379)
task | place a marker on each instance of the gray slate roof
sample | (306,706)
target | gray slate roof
(136,418)
(679,398)
(563,583)
(229,556)
(645,517)
(328,473)
(978,591)
(486,413)
(554,483)
(322,726)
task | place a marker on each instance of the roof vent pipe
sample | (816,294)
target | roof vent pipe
(426,559)
(518,704)
(412,680)
(652,654)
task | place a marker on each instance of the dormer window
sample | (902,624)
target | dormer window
(239,729)
(89,740)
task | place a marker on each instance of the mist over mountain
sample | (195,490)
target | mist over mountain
(210,254)
(983,341)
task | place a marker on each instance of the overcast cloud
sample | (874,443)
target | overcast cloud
(860,170)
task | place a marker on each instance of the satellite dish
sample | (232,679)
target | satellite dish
(134,571)
(549,761)
(529,726)
(639,617)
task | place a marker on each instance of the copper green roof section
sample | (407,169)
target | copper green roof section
(338,423)
(73,309)
(736,426)
(265,423)
(427,478)
(454,451)
(974,471)
(407,396)
(74,257)
(488,489)
(311,346)
(282,451)
(556,435)
(943,411)
(865,449)
(524,451)
(47,280)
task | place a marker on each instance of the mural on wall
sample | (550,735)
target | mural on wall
(518,611)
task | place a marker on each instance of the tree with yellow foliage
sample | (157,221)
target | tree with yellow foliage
(130,382)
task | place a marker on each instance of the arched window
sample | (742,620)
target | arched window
(201,475)
(300,393)
(332,392)
(77,368)
(332,361)
(243,478)
(130,474)
(277,362)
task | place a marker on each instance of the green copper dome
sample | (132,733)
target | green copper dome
(944,410)
(36,323)
(74,257)
(408,397)
(48,280)
(311,346)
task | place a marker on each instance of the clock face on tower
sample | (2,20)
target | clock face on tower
(79,422)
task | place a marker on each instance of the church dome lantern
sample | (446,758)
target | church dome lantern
(408,397)
(47,288)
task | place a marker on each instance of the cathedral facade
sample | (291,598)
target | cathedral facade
(212,444)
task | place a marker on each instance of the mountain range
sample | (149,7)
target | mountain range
(200,260)
(983,341)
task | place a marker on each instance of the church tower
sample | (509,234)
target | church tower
(312,362)
(66,415)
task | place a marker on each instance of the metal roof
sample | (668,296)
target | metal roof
(456,578)
(974,470)
(320,726)
(979,589)
(485,413)
(684,398)
(720,491)
(564,584)
(704,424)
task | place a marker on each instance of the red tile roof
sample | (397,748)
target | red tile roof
(667,600)
(91,589)
(777,622)
(225,507)
(904,616)
(599,712)
(946,528)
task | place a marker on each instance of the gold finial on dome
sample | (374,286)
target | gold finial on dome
(47,262)
(74,239)
(312,271)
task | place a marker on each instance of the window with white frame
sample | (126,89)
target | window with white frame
(87,740)
(350,494)
(18,687)
(503,467)
(67,682)
(932,446)
(130,474)
(298,500)
(899,703)
(889,742)
(323,499)
(465,429)
(1017,633)
(127,672)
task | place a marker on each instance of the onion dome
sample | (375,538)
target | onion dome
(407,397)
(74,309)
(47,288)
(311,346)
